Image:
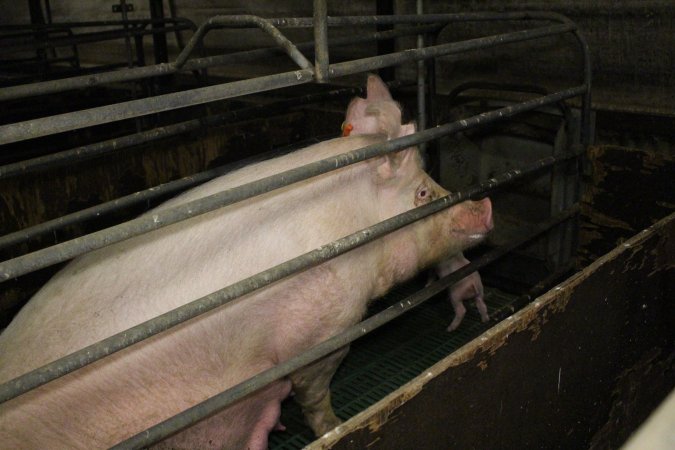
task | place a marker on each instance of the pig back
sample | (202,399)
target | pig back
(119,286)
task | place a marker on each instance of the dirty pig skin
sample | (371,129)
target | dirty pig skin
(117,287)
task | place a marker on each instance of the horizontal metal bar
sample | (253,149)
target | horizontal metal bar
(84,81)
(308,22)
(124,339)
(162,189)
(105,114)
(97,36)
(100,148)
(91,24)
(334,21)
(69,249)
(218,402)
(31,34)
(139,73)
(134,108)
(50,226)
(378,62)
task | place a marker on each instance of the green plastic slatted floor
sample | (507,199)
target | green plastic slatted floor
(389,357)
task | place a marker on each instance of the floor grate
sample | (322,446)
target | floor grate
(389,357)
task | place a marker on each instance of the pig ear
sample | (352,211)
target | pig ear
(356,110)
(394,163)
(388,118)
(376,89)
(407,129)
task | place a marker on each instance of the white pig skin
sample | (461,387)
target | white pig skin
(115,288)
(468,288)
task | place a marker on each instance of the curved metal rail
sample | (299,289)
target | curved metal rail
(43,258)
(106,114)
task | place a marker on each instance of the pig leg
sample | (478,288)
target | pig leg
(482,309)
(460,311)
(269,421)
(312,393)
(468,288)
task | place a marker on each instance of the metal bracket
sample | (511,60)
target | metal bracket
(128,7)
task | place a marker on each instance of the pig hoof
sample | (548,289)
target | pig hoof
(326,425)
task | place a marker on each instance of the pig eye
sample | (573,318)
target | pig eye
(424,195)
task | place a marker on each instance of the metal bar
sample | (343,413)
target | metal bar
(382,8)
(307,22)
(48,11)
(37,18)
(92,150)
(96,36)
(47,87)
(100,148)
(158,39)
(218,402)
(244,21)
(94,23)
(69,249)
(321,40)
(421,77)
(179,36)
(108,207)
(134,108)
(562,194)
(127,36)
(166,188)
(376,62)
(586,133)
(124,339)
(105,114)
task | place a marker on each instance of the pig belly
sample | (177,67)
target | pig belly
(244,425)
(131,390)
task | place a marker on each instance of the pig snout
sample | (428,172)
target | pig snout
(473,220)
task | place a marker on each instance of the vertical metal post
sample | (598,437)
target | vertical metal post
(48,11)
(158,39)
(320,40)
(179,36)
(385,8)
(127,38)
(586,132)
(40,35)
(433,147)
(130,56)
(421,88)
(564,193)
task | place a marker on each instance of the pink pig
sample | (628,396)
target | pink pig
(470,287)
(117,287)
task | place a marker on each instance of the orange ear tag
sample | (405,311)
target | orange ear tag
(346,128)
